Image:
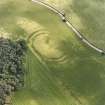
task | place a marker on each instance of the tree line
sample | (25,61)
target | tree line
(12,55)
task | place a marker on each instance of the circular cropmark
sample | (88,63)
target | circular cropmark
(42,42)
(48,47)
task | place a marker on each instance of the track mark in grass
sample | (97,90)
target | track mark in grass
(43,45)
(41,40)
(48,48)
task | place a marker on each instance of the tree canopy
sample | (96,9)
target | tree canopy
(12,54)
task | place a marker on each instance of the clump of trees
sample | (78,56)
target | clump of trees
(12,54)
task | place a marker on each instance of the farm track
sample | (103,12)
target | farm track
(66,21)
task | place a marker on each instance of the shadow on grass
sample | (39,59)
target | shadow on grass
(92,16)
(82,73)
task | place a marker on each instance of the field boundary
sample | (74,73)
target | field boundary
(67,22)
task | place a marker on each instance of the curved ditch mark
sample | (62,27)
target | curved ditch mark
(66,21)
(37,35)
(61,59)
(37,32)
(40,59)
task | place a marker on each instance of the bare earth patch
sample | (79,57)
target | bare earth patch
(4,34)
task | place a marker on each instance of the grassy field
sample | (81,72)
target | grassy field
(88,16)
(60,70)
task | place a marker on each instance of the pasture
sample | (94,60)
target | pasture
(60,69)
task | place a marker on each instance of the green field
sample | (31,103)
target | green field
(60,69)
(88,16)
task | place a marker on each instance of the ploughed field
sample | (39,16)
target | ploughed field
(60,69)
